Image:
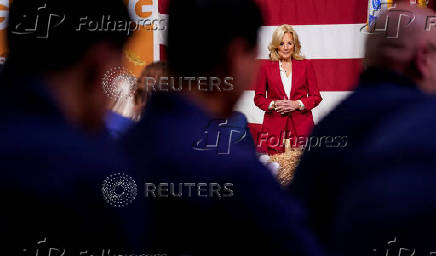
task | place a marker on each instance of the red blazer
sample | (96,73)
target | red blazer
(269,87)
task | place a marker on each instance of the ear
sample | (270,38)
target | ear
(421,63)
(237,48)
(242,64)
(100,58)
(239,54)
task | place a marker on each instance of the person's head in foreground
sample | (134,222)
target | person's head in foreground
(352,193)
(52,164)
(390,210)
(66,52)
(186,138)
(403,39)
(285,44)
(217,49)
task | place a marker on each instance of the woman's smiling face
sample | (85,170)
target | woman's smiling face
(286,47)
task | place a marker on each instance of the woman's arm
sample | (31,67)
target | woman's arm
(314,97)
(261,86)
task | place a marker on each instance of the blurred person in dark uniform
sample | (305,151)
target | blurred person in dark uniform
(400,75)
(212,196)
(392,206)
(54,154)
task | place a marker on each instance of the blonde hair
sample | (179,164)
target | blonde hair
(277,38)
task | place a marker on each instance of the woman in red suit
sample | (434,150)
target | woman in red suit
(287,91)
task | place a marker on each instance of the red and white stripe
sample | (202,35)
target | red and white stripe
(331,37)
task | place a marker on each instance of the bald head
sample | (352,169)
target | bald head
(402,39)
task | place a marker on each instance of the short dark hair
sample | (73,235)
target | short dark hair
(200,31)
(64,44)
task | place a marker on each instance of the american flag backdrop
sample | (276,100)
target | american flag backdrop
(332,34)
(331,37)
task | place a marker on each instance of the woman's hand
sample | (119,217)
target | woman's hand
(286,106)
